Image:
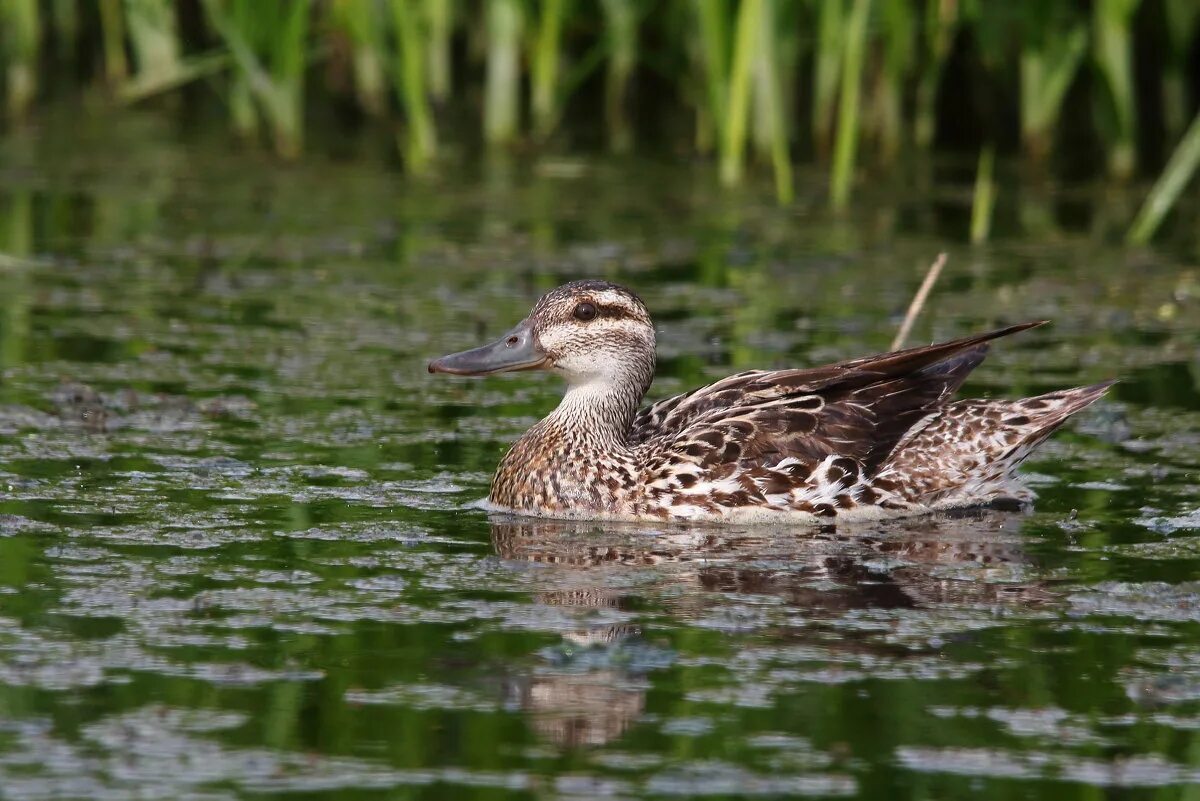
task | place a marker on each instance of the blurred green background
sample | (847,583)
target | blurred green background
(1069,90)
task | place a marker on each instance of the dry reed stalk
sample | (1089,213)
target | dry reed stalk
(918,301)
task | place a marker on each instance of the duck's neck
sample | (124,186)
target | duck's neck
(597,413)
(578,458)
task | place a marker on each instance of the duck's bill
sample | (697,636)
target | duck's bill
(516,350)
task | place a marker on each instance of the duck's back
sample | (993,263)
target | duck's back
(871,437)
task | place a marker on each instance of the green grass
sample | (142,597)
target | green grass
(985,196)
(766,83)
(845,147)
(1169,187)
(19,42)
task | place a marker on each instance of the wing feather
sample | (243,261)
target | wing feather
(857,409)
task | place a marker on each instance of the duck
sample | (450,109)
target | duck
(866,439)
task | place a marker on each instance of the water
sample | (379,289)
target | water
(239,555)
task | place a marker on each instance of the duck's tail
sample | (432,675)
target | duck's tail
(967,452)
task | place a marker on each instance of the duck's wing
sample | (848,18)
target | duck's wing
(666,417)
(859,409)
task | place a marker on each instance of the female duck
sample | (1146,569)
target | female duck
(869,438)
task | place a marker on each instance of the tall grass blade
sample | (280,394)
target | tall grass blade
(278,90)
(1048,63)
(714,36)
(780,19)
(112,34)
(827,70)
(1180,23)
(1179,170)
(66,29)
(918,301)
(846,145)
(440,17)
(288,63)
(898,25)
(940,25)
(20,34)
(733,145)
(409,77)
(502,93)
(242,112)
(771,125)
(188,70)
(1112,22)
(544,67)
(621,17)
(153,36)
(985,196)
(362,21)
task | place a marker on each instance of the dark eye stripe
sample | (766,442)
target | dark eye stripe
(613,312)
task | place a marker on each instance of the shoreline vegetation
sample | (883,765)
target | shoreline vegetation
(1069,90)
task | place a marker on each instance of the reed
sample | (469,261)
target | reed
(774,79)
(243,115)
(153,38)
(1180,21)
(771,121)
(409,64)
(766,80)
(1179,170)
(268,49)
(886,113)
(939,24)
(621,19)
(1112,22)
(20,39)
(364,26)
(501,107)
(984,197)
(112,26)
(544,67)
(827,70)
(733,143)
(714,37)
(440,15)
(846,145)
(1050,58)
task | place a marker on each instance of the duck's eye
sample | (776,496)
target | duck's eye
(585,311)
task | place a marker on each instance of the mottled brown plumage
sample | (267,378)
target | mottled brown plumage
(867,438)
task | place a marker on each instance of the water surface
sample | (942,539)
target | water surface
(239,555)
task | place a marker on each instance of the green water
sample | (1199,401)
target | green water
(239,555)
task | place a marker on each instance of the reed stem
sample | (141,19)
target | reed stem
(361,20)
(622,20)
(1179,170)
(20,38)
(918,301)
(1047,69)
(501,101)
(827,70)
(848,104)
(985,196)
(734,142)
(714,34)
(112,34)
(440,16)
(544,67)
(1111,32)
(769,97)
(410,61)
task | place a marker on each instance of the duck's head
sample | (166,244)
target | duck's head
(588,332)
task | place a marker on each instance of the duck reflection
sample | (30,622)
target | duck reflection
(592,687)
